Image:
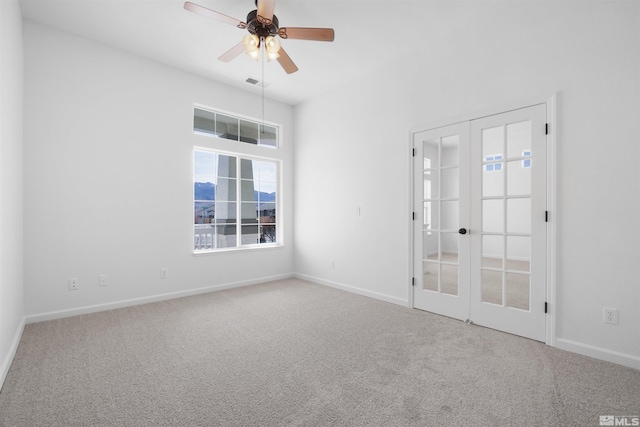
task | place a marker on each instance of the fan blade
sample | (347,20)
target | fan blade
(286,62)
(318,34)
(232,53)
(192,7)
(265,11)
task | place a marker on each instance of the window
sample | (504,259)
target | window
(235,187)
(491,167)
(235,201)
(217,125)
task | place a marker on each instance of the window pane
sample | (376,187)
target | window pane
(203,237)
(449,217)
(430,276)
(203,213)
(227,127)
(226,166)
(517,291)
(250,234)
(226,236)
(248,191)
(204,191)
(518,253)
(493,216)
(518,138)
(246,169)
(431,150)
(249,213)
(204,167)
(450,183)
(492,181)
(449,279)
(268,171)
(268,233)
(519,215)
(492,251)
(226,213)
(226,190)
(204,122)
(431,248)
(429,217)
(268,136)
(492,287)
(450,150)
(267,191)
(518,179)
(267,213)
(248,132)
(492,141)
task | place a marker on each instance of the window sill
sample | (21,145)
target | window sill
(242,249)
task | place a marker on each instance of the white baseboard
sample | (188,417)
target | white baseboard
(8,358)
(34,318)
(354,290)
(599,353)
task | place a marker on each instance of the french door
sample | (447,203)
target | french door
(480,226)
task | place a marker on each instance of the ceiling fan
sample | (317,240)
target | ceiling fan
(264,30)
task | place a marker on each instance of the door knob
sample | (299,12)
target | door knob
(462,231)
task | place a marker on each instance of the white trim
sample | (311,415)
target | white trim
(8,358)
(544,99)
(411,215)
(34,318)
(353,290)
(600,353)
(551,225)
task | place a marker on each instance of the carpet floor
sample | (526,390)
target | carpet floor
(292,353)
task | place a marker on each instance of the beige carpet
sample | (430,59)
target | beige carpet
(291,353)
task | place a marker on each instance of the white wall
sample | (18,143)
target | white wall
(108,178)
(477,56)
(11,98)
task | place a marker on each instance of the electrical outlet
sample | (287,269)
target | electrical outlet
(103,280)
(164,273)
(610,315)
(73,283)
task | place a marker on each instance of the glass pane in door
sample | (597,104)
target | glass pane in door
(430,276)
(492,251)
(517,290)
(518,253)
(518,138)
(491,286)
(449,279)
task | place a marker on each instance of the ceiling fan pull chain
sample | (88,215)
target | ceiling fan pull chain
(262,54)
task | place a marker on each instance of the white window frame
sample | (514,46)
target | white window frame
(241,151)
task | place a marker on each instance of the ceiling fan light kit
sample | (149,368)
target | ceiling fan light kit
(264,32)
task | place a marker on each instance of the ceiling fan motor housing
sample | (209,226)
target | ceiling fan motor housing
(262,29)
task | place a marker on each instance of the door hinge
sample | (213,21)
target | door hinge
(413,281)
(413,152)
(546,216)
(546,306)
(546,128)
(413,216)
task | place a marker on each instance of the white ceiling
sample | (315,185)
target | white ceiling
(368,34)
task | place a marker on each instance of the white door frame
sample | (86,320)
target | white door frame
(550,101)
